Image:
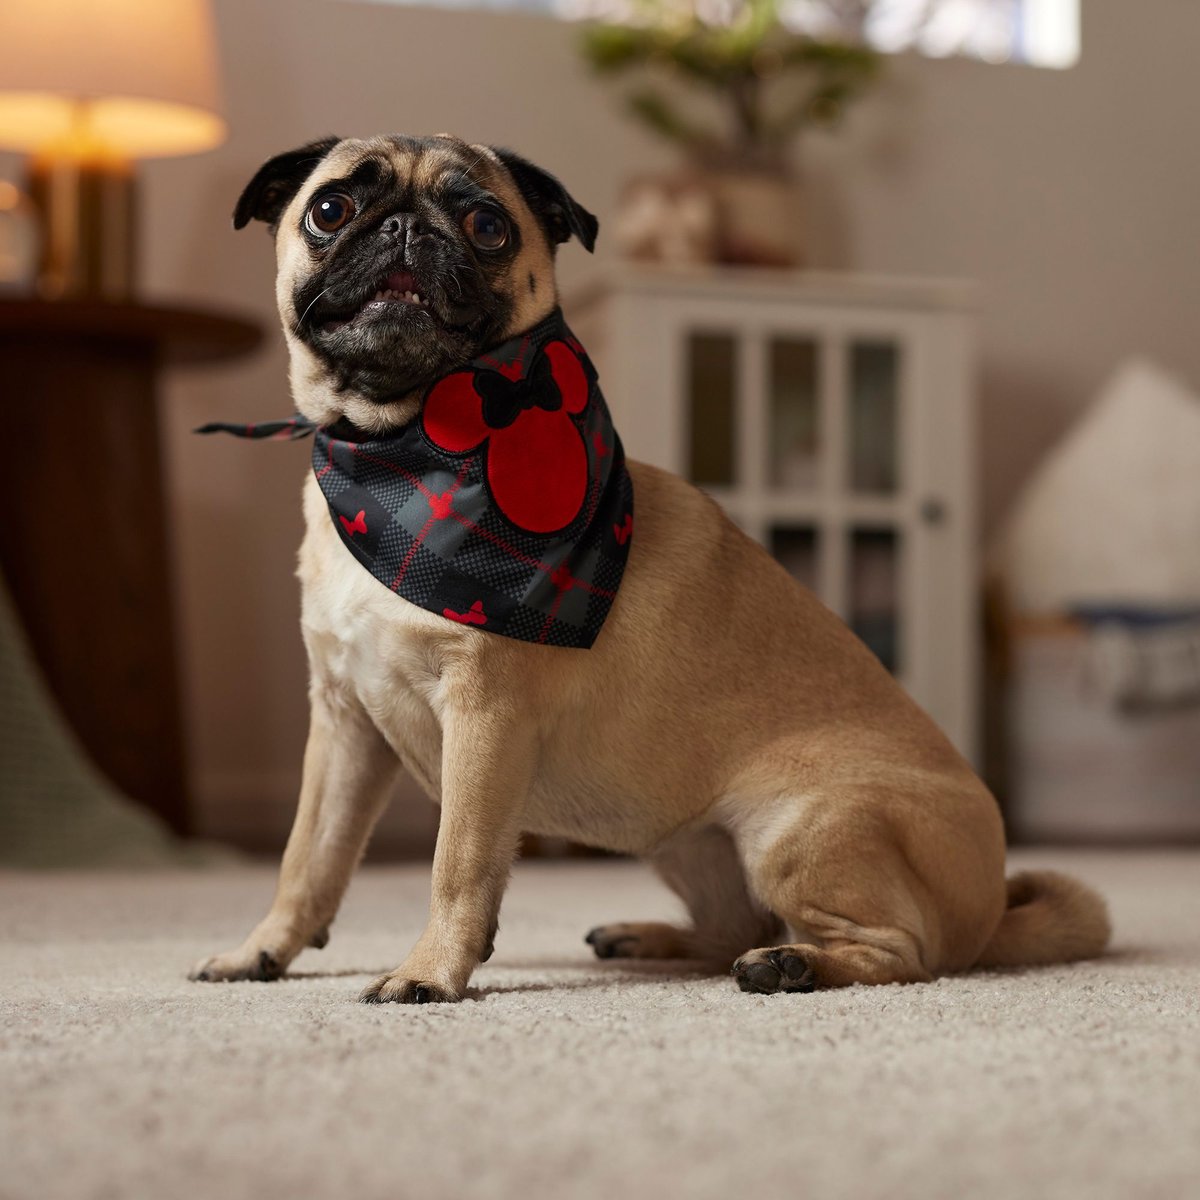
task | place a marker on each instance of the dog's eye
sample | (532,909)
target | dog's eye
(487,229)
(330,212)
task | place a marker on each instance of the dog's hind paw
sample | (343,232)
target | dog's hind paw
(639,940)
(782,969)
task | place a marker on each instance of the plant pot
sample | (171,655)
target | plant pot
(759,217)
(738,216)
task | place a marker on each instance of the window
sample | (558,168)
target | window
(1042,33)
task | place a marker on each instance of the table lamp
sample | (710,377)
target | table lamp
(86,88)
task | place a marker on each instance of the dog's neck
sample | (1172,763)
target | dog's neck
(318,399)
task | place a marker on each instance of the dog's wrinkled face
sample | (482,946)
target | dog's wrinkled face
(400,259)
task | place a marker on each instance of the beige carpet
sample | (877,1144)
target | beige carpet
(565,1077)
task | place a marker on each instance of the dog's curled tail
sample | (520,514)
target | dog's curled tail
(1050,918)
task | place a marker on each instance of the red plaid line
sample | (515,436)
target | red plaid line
(429,524)
(521,557)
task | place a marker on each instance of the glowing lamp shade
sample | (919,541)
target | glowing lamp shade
(135,78)
(86,87)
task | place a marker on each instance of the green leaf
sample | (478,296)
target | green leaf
(654,110)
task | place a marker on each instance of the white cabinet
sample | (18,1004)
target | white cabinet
(833,419)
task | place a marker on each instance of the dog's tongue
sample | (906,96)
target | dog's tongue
(400,281)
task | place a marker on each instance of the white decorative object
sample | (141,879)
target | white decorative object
(668,219)
(833,417)
(1112,517)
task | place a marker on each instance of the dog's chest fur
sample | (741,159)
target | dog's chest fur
(370,648)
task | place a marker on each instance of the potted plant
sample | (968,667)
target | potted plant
(771,82)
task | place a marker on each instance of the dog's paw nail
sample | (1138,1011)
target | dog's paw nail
(201,972)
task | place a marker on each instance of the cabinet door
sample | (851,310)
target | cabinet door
(839,438)
(840,406)
(942,526)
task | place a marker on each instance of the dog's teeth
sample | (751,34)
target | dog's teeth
(407,297)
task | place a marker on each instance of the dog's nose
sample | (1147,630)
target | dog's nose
(403,226)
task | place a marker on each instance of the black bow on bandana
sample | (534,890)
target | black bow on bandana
(505,505)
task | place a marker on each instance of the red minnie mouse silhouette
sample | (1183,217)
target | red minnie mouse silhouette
(537,463)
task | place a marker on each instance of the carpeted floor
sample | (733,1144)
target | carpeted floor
(567,1077)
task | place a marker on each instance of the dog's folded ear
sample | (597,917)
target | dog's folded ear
(559,212)
(277,181)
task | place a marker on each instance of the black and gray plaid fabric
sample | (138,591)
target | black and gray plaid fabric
(505,505)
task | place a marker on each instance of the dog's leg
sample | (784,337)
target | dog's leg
(703,868)
(487,764)
(858,911)
(349,772)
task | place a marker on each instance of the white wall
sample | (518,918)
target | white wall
(1070,196)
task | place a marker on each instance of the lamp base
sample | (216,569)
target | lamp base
(88,211)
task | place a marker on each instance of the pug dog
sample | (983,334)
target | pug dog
(724,726)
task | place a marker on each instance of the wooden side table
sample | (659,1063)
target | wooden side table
(83,532)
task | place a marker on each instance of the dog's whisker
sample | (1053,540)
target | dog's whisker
(310,307)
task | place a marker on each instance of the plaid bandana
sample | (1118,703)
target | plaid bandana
(505,505)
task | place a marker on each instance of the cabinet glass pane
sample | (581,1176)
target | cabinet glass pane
(711,384)
(874,450)
(875,592)
(795,546)
(792,383)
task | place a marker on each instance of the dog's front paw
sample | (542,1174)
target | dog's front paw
(398,989)
(260,966)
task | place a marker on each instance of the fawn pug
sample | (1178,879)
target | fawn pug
(482,608)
